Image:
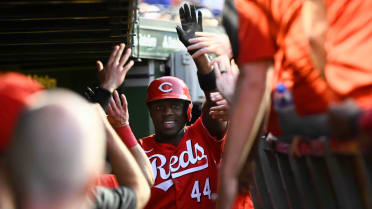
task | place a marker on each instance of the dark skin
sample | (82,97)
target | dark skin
(172,132)
(169,119)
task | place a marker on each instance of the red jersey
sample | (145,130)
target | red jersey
(185,175)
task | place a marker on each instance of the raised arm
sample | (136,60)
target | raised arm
(124,165)
(119,118)
(246,106)
(190,25)
(111,76)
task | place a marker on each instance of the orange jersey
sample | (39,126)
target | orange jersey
(348,46)
(272,29)
(185,175)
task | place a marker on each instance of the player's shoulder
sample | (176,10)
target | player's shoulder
(148,140)
(196,126)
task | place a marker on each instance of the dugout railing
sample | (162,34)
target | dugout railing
(329,175)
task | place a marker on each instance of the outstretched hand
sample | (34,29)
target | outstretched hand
(190,24)
(113,74)
(118,113)
(206,43)
(221,110)
(226,75)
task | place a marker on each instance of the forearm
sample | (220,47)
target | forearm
(126,169)
(215,127)
(246,104)
(144,163)
(127,136)
(202,64)
(315,23)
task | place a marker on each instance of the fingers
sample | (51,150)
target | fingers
(219,108)
(234,68)
(99,65)
(193,13)
(119,53)
(222,102)
(205,34)
(202,51)
(216,96)
(117,99)
(187,13)
(200,20)
(220,115)
(125,58)
(217,71)
(110,111)
(114,109)
(199,43)
(124,101)
(126,68)
(113,55)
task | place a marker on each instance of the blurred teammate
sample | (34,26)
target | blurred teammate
(273,32)
(62,141)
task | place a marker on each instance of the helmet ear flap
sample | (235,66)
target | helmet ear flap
(189,111)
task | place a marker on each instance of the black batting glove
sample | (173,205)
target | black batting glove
(190,24)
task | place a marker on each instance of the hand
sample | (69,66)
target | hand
(205,43)
(118,114)
(226,75)
(189,24)
(221,111)
(113,75)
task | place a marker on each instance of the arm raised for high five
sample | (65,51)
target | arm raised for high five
(113,74)
(124,165)
(246,106)
(119,118)
(190,25)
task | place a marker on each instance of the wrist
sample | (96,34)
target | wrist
(127,136)
(120,125)
(207,81)
(108,87)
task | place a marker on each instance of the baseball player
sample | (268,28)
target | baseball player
(184,158)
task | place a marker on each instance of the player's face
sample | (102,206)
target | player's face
(168,116)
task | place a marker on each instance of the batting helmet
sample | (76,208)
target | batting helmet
(169,87)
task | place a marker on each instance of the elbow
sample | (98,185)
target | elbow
(151,179)
(143,193)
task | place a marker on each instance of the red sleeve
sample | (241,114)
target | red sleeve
(200,131)
(255,41)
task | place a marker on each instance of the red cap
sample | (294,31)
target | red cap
(14,91)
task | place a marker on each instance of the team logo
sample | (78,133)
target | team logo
(166,87)
(193,159)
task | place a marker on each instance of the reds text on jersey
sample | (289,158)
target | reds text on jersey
(186,175)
